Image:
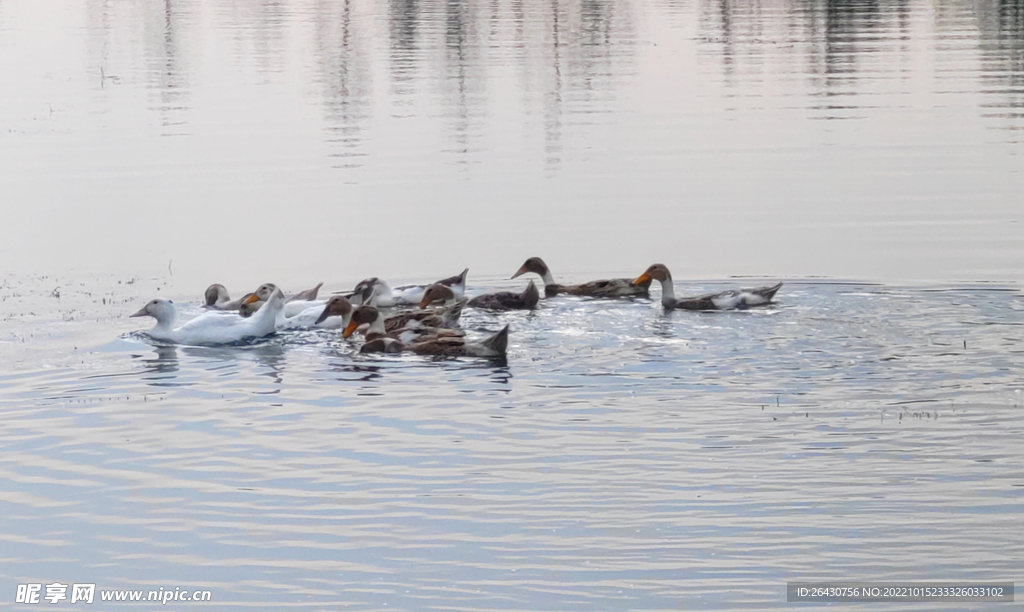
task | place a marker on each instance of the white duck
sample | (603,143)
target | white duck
(334,314)
(294,305)
(376,292)
(213,327)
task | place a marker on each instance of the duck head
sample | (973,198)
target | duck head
(436,292)
(250,304)
(535,265)
(367,291)
(361,315)
(159,308)
(337,306)
(265,291)
(657,272)
(216,293)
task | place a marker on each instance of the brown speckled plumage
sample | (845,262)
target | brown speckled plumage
(444,346)
(608,288)
(508,300)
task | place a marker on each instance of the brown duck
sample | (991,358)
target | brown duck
(431,324)
(615,287)
(448,346)
(726,300)
(502,300)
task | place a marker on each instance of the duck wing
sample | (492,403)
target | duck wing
(615,287)
(406,295)
(502,300)
(729,300)
(441,345)
(700,302)
(507,300)
(218,328)
(444,316)
(414,335)
(307,295)
(401,320)
(310,318)
(296,307)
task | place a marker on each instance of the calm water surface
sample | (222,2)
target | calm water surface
(867,427)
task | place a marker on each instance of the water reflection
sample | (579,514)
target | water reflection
(567,58)
(259,33)
(269,355)
(345,78)
(403,25)
(161,29)
(1001,23)
(165,362)
(849,50)
(165,63)
(463,79)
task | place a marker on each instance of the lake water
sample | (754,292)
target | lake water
(866,427)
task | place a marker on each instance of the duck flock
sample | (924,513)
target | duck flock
(422,319)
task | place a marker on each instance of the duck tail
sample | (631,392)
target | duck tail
(453,313)
(768,293)
(531,296)
(315,290)
(498,343)
(459,280)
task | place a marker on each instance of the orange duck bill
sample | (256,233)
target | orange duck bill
(643,278)
(351,329)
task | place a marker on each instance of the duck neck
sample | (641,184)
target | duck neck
(272,308)
(165,322)
(548,278)
(668,292)
(377,325)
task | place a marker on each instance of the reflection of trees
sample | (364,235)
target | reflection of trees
(836,32)
(344,74)
(836,38)
(163,26)
(403,16)
(258,30)
(566,55)
(1001,25)
(163,64)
